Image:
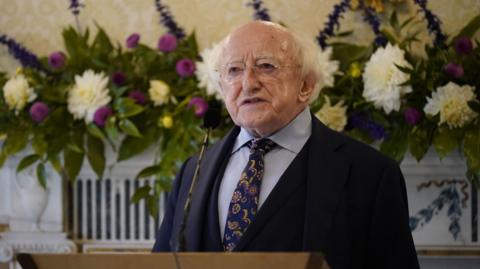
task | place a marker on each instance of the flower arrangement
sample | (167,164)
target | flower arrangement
(73,104)
(398,98)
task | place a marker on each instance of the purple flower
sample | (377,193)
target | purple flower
(167,43)
(261,13)
(101,116)
(138,97)
(118,78)
(132,40)
(185,67)
(412,116)
(363,122)
(463,45)
(39,111)
(453,70)
(167,20)
(201,106)
(22,54)
(56,59)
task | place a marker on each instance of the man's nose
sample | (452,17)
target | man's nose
(250,80)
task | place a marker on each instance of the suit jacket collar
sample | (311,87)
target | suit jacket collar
(327,175)
(208,172)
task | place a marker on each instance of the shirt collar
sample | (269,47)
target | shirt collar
(292,137)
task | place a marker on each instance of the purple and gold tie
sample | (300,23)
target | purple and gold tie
(244,204)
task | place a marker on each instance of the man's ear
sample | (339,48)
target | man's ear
(307,88)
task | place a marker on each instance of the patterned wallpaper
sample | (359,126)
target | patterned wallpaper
(38,23)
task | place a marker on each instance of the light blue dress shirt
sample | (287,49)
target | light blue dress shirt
(290,140)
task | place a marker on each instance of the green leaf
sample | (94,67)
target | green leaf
(471,148)
(15,141)
(149,171)
(56,164)
(95,131)
(444,141)
(394,21)
(111,129)
(42,175)
(96,155)
(396,144)
(73,163)
(129,128)
(140,193)
(152,205)
(127,107)
(132,146)
(420,141)
(27,161)
(39,144)
(470,29)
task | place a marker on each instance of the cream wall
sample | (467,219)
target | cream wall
(38,23)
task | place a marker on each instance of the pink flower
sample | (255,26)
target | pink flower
(132,40)
(101,116)
(412,116)
(138,97)
(39,111)
(454,70)
(56,59)
(201,106)
(167,43)
(185,67)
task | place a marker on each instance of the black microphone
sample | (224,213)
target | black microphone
(211,120)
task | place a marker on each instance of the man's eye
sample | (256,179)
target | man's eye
(266,66)
(234,70)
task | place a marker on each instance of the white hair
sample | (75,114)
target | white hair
(305,49)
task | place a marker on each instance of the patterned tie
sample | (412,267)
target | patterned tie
(244,204)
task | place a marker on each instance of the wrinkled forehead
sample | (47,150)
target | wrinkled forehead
(256,42)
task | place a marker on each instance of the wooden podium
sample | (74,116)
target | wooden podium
(185,260)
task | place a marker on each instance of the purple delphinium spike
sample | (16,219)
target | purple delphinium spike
(371,17)
(261,13)
(332,21)
(362,122)
(433,24)
(167,20)
(75,7)
(23,55)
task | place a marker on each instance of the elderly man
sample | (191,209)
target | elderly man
(282,181)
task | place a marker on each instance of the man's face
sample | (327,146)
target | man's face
(261,80)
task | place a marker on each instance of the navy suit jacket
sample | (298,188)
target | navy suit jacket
(353,205)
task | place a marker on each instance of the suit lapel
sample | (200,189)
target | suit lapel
(208,172)
(326,177)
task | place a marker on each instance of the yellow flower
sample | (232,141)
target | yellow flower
(335,117)
(167,122)
(18,93)
(377,5)
(355,70)
(159,91)
(451,101)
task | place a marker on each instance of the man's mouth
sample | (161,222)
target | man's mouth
(251,101)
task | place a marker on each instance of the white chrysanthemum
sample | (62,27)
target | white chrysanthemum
(335,116)
(159,92)
(88,94)
(328,68)
(451,101)
(205,71)
(17,92)
(382,78)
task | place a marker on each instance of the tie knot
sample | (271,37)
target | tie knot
(263,145)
